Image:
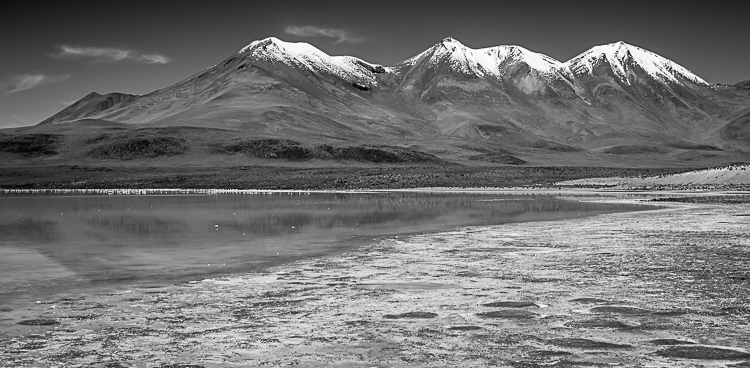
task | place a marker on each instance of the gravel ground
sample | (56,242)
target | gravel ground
(666,288)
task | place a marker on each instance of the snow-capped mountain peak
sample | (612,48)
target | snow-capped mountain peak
(624,61)
(450,42)
(302,54)
(536,61)
(623,57)
(486,62)
(274,45)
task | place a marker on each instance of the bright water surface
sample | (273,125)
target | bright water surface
(51,244)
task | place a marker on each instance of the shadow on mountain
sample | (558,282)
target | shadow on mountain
(520,139)
(695,146)
(695,156)
(738,130)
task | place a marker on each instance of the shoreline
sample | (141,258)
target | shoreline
(300,178)
(576,291)
(454,190)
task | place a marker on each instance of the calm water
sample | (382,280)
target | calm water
(62,243)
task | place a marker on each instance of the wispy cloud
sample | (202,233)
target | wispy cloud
(155,59)
(108,54)
(339,35)
(25,82)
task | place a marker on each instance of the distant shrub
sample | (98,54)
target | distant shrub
(128,148)
(293,150)
(269,148)
(30,145)
(635,149)
(498,158)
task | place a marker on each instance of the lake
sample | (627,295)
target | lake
(54,244)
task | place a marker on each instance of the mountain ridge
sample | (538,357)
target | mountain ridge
(451,101)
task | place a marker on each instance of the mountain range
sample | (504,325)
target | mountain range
(615,104)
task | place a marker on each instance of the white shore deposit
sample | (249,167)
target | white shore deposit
(726,176)
(666,288)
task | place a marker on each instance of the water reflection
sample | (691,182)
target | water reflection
(84,240)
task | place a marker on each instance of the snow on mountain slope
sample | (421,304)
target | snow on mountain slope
(515,54)
(622,58)
(530,72)
(486,62)
(306,56)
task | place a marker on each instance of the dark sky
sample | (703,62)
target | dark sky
(55,52)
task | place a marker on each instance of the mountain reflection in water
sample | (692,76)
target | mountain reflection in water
(51,242)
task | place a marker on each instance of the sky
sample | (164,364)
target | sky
(53,53)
